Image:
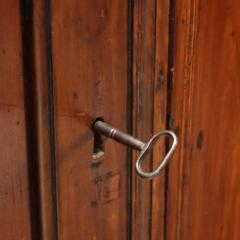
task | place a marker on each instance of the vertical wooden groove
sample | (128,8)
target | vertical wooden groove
(152,112)
(51,98)
(170,79)
(130,115)
(26,15)
(37,118)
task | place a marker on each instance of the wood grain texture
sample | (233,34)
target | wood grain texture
(203,191)
(162,9)
(89,42)
(150,64)
(14,189)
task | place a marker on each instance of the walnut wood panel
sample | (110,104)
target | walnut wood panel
(14,189)
(203,191)
(150,64)
(89,40)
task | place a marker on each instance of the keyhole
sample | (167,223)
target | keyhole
(98,143)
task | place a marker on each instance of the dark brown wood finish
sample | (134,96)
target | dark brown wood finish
(203,191)
(15,220)
(90,62)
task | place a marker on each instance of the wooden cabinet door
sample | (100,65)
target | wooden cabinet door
(203,190)
(142,66)
(107,63)
(63,64)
